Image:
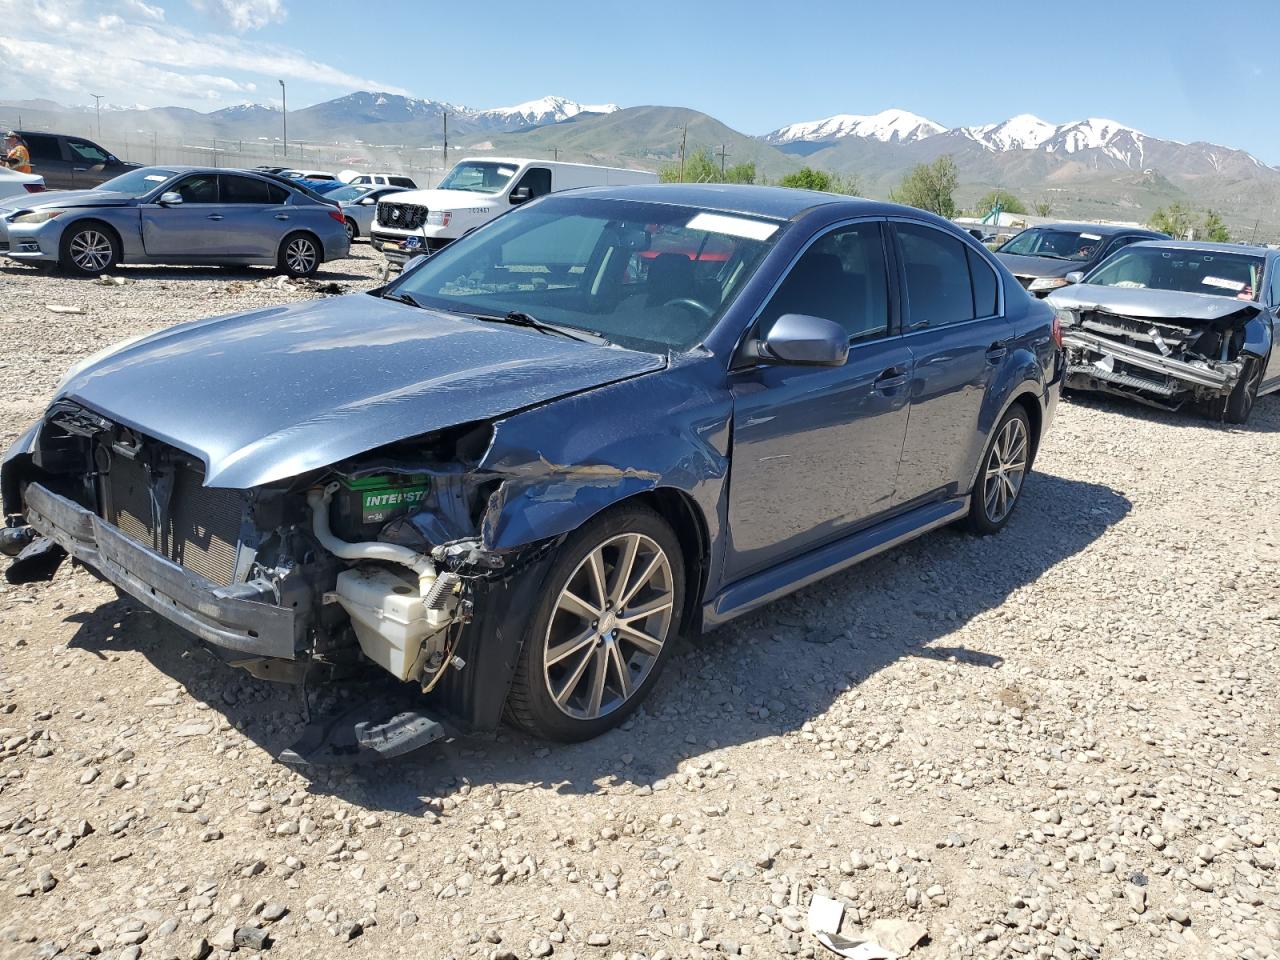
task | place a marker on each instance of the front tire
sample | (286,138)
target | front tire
(300,255)
(603,629)
(88,249)
(1240,402)
(1002,474)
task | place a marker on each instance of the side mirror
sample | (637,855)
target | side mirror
(803,340)
(170,198)
(521,195)
(367,202)
(1075,276)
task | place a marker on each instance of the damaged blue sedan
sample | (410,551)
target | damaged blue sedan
(515,474)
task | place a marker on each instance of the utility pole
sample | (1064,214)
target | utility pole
(446,140)
(97,105)
(684,140)
(284,120)
(723,154)
(1254,237)
(154,161)
(555,153)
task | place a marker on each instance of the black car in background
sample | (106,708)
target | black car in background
(72,163)
(1041,257)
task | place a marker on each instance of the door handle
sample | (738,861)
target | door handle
(890,378)
(214,216)
(996,352)
(282,216)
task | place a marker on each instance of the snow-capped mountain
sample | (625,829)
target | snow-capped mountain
(1023,132)
(537,113)
(887,126)
(1095,143)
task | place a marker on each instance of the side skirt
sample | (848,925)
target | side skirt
(768,585)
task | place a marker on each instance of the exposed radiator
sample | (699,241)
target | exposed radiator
(199,529)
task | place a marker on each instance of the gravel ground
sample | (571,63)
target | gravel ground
(1058,742)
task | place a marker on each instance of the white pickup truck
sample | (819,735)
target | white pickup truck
(475,191)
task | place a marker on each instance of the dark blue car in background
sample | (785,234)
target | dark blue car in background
(513,475)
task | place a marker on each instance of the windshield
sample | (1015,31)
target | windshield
(347,194)
(1187,271)
(479,177)
(647,276)
(1054,243)
(137,182)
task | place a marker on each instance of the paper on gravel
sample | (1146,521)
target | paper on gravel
(825,915)
(855,949)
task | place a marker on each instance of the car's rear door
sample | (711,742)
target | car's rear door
(255,218)
(48,161)
(815,449)
(1272,372)
(188,230)
(958,337)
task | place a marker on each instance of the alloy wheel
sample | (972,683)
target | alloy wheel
(91,250)
(300,255)
(1006,468)
(608,627)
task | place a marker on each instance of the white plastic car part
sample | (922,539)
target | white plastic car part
(389,618)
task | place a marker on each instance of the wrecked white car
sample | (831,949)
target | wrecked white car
(1172,323)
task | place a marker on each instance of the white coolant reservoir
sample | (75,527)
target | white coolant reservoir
(388,616)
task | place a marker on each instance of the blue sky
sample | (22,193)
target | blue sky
(1172,68)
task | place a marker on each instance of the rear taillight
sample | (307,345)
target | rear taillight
(1057,331)
(337,215)
(33,187)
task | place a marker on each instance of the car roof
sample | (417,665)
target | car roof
(1247,249)
(778,203)
(1101,229)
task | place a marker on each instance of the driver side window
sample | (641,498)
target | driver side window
(537,179)
(199,188)
(842,278)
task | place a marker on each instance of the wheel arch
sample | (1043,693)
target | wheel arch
(64,238)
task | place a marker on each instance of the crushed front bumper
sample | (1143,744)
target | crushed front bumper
(1173,375)
(187,599)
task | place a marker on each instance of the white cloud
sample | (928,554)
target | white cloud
(66,47)
(245,15)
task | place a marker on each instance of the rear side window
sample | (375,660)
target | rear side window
(244,190)
(985,301)
(939,290)
(42,147)
(277,194)
(840,278)
(401,182)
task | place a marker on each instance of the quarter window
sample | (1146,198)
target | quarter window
(1274,283)
(841,278)
(939,289)
(986,303)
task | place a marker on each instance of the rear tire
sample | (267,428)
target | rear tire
(300,255)
(603,629)
(352,230)
(88,249)
(1240,402)
(1002,474)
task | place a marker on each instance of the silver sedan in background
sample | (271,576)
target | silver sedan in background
(359,202)
(178,215)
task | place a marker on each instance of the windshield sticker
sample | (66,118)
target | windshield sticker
(156,177)
(732,226)
(507,171)
(1091,236)
(1235,286)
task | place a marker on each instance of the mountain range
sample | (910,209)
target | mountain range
(1094,168)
